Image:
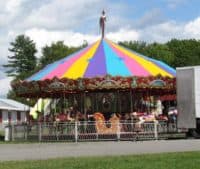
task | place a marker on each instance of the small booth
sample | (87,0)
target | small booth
(12,112)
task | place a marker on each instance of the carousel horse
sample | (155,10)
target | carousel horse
(101,125)
(144,118)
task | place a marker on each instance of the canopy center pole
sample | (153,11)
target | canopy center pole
(102,21)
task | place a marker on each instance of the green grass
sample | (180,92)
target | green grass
(189,160)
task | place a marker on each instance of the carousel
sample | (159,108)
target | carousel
(105,81)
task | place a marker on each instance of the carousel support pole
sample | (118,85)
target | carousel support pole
(55,107)
(81,103)
(83,95)
(84,108)
(73,99)
(96,100)
(147,101)
(44,120)
(63,102)
(131,99)
(51,119)
(93,105)
(37,109)
(51,109)
(38,123)
(119,101)
(150,100)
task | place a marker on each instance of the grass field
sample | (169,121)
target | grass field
(189,160)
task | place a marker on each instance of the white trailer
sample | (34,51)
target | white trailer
(188,97)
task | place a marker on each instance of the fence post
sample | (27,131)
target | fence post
(25,131)
(39,132)
(156,130)
(76,131)
(8,133)
(12,132)
(118,131)
(97,135)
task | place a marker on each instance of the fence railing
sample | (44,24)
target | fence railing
(89,131)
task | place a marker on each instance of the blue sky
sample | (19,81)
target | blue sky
(47,21)
(180,10)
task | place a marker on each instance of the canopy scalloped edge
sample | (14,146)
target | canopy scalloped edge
(49,87)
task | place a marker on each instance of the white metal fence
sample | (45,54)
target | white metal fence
(88,131)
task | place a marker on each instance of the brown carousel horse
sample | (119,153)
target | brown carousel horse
(101,125)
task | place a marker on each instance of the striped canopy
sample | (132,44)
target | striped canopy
(104,58)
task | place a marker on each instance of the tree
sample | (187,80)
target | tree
(23,61)
(12,95)
(138,46)
(55,52)
(160,52)
(186,52)
(176,52)
(154,50)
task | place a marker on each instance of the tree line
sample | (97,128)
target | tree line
(22,61)
(176,53)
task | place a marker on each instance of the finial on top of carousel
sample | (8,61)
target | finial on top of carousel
(102,21)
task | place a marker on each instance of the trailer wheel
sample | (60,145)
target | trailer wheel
(193,133)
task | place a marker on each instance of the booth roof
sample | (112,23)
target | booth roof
(104,58)
(8,104)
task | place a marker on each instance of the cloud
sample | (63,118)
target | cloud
(159,32)
(124,35)
(173,4)
(13,5)
(150,18)
(192,28)
(162,32)
(9,11)
(44,37)
(3,54)
(166,31)
(5,40)
(2,73)
(62,14)
(5,86)
(4,82)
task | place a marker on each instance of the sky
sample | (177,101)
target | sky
(47,21)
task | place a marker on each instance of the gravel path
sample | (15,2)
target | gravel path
(53,150)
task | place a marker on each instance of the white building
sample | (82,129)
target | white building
(12,111)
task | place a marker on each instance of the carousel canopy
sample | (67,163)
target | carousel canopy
(103,65)
(104,58)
